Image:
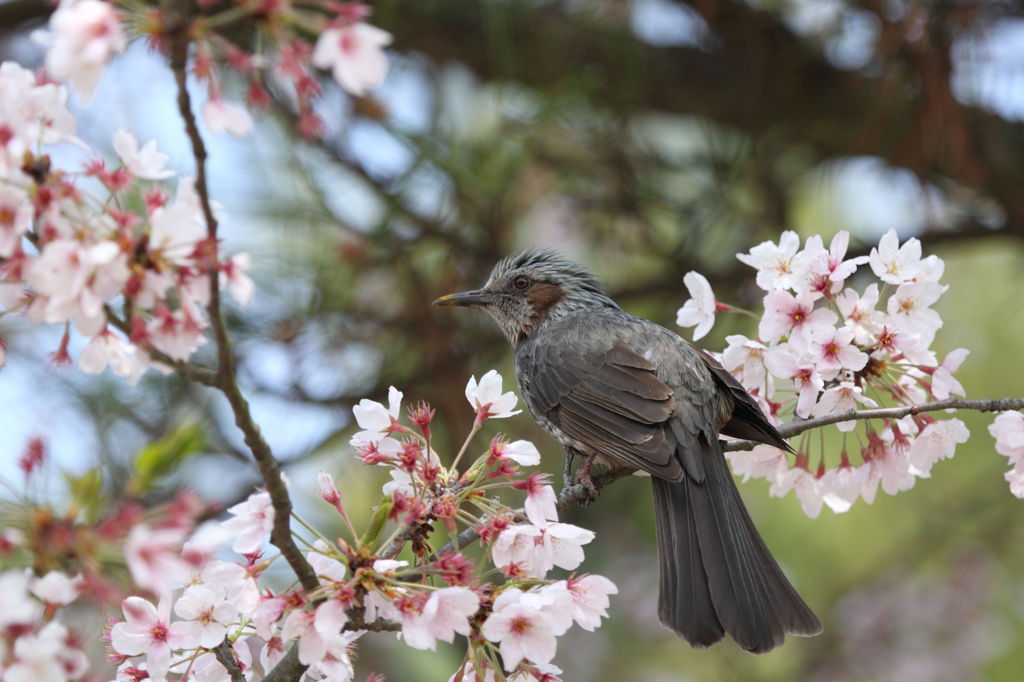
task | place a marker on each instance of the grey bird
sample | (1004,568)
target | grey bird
(629,393)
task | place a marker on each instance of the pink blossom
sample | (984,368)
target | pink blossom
(234,276)
(590,599)
(783,363)
(748,356)
(522,452)
(320,636)
(375,420)
(832,350)
(893,263)
(563,545)
(842,485)
(355,55)
(57,588)
(45,656)
(700,309)
(909,311)
(935,442)
(842,398)
(774,263)
(326,488)
(447,611)
(147,630)
(16,214)
(944,383)
(76,279)
(176,333)
(764,461)
(860,314)
(1015,477)
(205,615)
(325,566)
(401,482)
(145,162)
(517,551)
(221,116)
(108,349)
(527,624)
(251,523)
(786,315)
(266,614)
(85,35)
(820,272)
(1008,430)
(16,606)
(487,398)
(540,500)
(154,558)
(806,486)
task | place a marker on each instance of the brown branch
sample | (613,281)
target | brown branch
(226,378)
(288,669)
(226,657)
(798,426)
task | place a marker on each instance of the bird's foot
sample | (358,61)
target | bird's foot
(583,478)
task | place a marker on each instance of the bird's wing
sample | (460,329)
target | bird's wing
(747,420)
(609,398)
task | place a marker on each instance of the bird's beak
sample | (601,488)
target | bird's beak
(466,298)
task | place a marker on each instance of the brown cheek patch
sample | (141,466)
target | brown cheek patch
(542,298)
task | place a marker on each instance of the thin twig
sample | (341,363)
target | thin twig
(226,657)
(798,426)
(226,377)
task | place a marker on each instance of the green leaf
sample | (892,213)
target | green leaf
(86,492)
(162,457)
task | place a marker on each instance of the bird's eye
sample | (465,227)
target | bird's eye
(521,282)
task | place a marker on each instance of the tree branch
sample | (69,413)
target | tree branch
(798,426)
(226,378)
(226,657)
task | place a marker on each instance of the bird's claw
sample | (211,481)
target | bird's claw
(584,479)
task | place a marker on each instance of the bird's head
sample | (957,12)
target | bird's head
(530,288)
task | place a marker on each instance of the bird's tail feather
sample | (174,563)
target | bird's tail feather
(717,575)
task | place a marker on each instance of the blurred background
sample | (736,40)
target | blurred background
(644,139)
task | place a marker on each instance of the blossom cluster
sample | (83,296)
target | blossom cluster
(66,256)
(430,595)
(84,35)
(37,646)
(826,347)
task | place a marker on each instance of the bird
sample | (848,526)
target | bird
(624,391)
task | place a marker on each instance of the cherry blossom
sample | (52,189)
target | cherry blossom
(206,615)
(523,452)
(842,398)
(786,315)
(447,611)
(234,277)
(540,500)
(944,384)
(355,56)
(375,420)
(527,624)
(745,359)
(15,217)
(590,601)
(893,263)
(487,398)
(1008,431)
(783,363)
(774,263)
(519,550)
(936,441)
(57,588)
(563,545)
(222,116)
(700,309)
(108,349)
(16,606)
(154,558)
(252,522)
(833,350)
(909,309)
(859,313)
(85,35)
(147,630)
(146,162)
